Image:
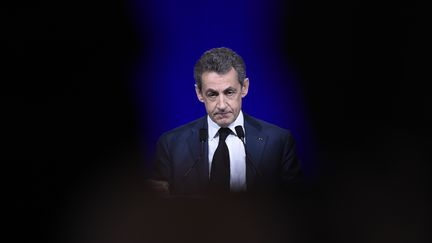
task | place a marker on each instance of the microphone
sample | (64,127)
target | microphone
(241,135)
(203,135)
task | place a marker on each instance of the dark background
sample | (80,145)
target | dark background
(69,123)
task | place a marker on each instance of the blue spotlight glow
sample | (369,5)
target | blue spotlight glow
(178,32)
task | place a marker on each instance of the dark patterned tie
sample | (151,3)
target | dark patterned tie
(220,168)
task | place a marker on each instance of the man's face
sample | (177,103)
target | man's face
(222,96)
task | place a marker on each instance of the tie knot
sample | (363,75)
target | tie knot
(223,133)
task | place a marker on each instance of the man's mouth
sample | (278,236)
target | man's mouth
(222,114)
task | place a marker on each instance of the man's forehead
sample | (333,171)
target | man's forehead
(232,73)
(221,85)
(213,80)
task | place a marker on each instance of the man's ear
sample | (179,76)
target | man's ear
(199,94)
(245,87)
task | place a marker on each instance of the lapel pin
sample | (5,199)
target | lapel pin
(260,139)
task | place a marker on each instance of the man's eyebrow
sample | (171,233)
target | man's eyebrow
(210,90)
(229,89)
(215,91)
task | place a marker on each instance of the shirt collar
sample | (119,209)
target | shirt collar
(213,127)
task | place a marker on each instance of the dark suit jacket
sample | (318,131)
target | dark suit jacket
(182,160)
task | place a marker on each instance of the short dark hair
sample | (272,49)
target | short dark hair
(219,60)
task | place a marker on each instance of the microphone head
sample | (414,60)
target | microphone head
(239,131)
(203,134)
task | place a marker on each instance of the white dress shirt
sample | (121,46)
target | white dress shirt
(236,152)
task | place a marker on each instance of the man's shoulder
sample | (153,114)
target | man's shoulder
(264,125)
(185,128)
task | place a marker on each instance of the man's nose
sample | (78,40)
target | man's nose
(221,102)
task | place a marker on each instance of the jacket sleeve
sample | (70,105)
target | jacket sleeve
(162,166)
(292,174)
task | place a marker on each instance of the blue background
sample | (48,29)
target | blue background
(182,31)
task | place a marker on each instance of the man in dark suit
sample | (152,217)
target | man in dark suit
(227,150)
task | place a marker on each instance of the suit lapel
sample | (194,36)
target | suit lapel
(255,142)
(195,148)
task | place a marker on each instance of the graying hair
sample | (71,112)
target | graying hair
(219,60)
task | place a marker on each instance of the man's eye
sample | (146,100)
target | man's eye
(211,94)
(230,92)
